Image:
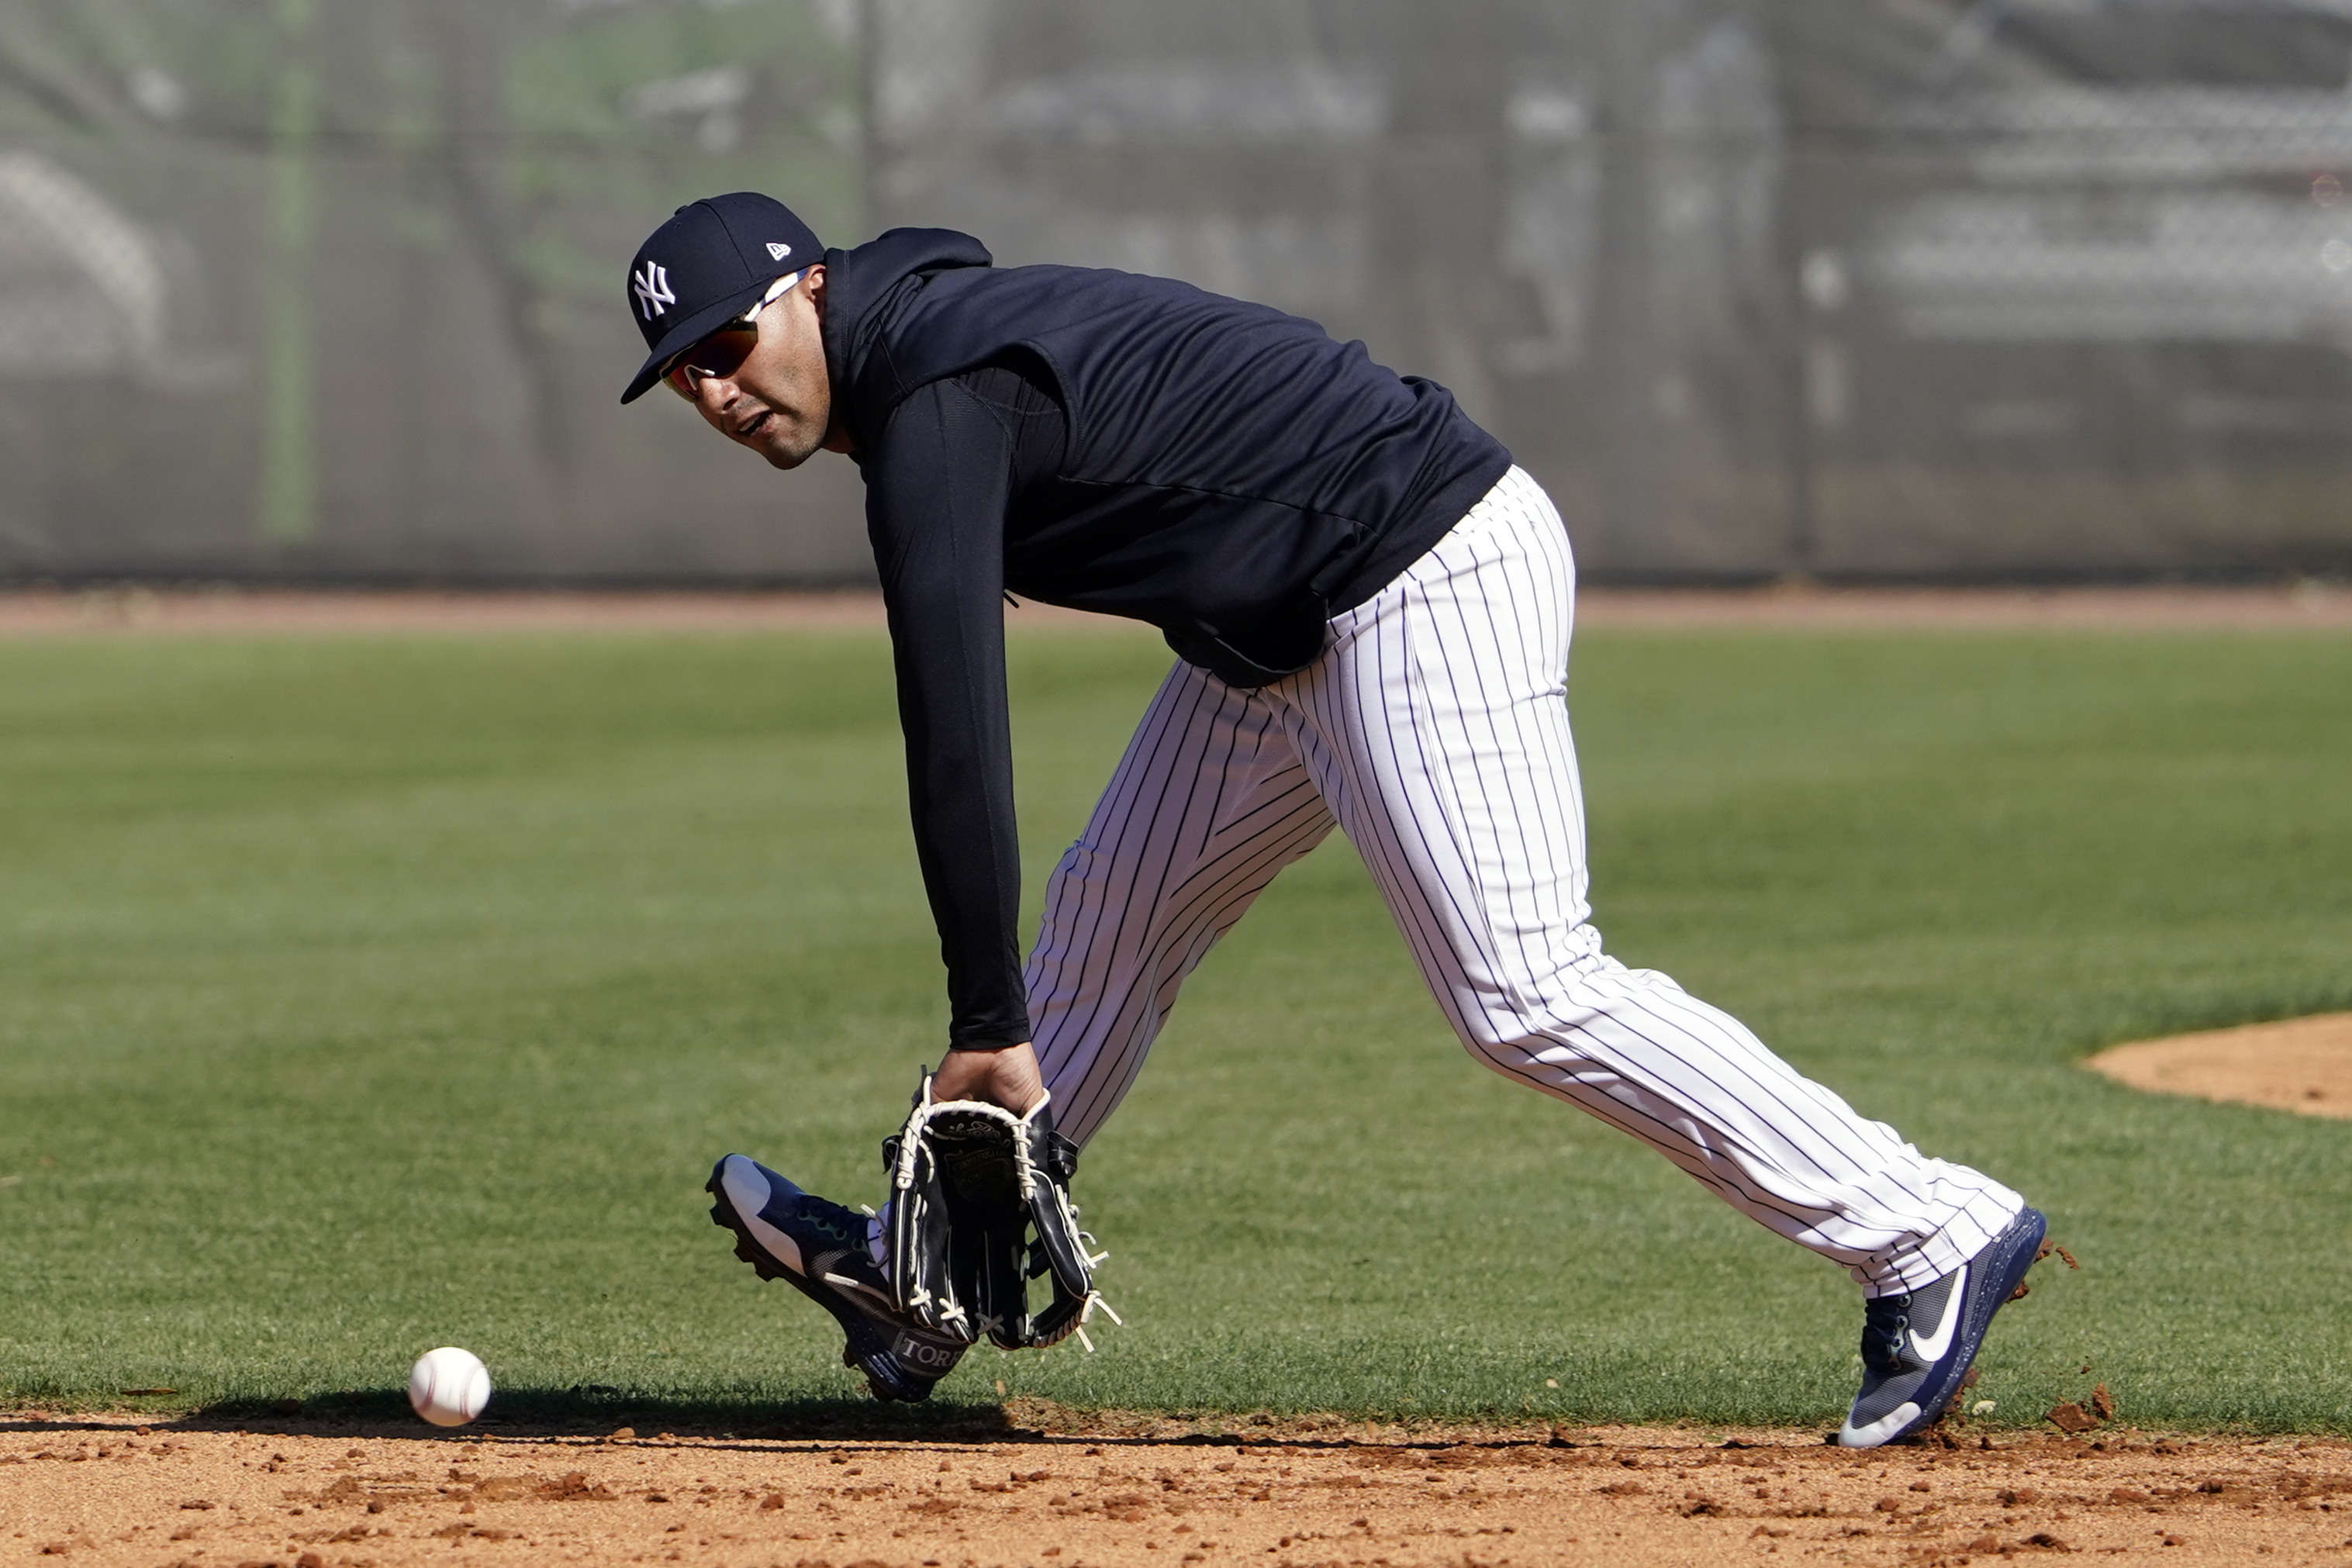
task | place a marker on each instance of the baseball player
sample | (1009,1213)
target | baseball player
(1370,607)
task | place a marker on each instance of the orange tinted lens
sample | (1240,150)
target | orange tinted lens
(724,351)
(721,353)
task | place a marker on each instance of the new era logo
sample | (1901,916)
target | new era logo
(652,290)
(778,252)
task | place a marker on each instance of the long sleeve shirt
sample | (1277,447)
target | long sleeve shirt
(1110,442)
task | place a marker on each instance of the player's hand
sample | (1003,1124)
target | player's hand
(1008,1078)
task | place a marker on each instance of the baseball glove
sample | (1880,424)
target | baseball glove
(980,1205)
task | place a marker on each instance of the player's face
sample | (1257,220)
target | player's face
(777,400)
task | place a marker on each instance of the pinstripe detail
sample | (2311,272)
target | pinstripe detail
(1434,729)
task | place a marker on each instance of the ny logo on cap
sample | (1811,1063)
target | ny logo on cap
(652,288)
(777,252)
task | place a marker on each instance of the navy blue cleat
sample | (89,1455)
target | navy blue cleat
(1916,1348)
(819,1249)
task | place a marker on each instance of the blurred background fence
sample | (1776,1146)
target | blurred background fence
(332,290)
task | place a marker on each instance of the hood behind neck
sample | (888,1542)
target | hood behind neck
(865,288)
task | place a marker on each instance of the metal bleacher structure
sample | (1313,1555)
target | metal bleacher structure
(332,290)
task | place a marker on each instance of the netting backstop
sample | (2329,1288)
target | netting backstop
(331,290)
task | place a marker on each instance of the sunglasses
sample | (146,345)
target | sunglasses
(722,353)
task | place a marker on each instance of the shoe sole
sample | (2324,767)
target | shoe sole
(2020,1247)
(763,1263)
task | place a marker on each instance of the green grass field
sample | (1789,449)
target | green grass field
(357,996)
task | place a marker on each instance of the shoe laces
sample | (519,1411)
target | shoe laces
(835,1223)
(1885,1323)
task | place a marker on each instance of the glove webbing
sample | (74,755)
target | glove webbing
(951,1238)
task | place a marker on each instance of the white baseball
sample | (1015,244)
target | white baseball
(448,1386)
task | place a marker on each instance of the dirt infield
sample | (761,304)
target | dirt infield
(2303,1064)
(51,613)
(314,1493)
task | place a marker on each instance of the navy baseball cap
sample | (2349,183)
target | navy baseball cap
(710,262)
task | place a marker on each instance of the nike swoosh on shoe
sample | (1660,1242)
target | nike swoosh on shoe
(1930,1348)
(1926,1370)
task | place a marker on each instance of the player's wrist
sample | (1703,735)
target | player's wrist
(1005,1075)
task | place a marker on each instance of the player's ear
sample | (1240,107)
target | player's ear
(814,284)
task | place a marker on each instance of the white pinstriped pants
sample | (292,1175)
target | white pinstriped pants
(1434,730)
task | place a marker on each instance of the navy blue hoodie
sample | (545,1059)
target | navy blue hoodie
(1128,445)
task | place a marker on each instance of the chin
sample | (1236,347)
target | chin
(778,451)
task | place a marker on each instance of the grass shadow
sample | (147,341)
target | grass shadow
(530,1412)
(580,1418)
